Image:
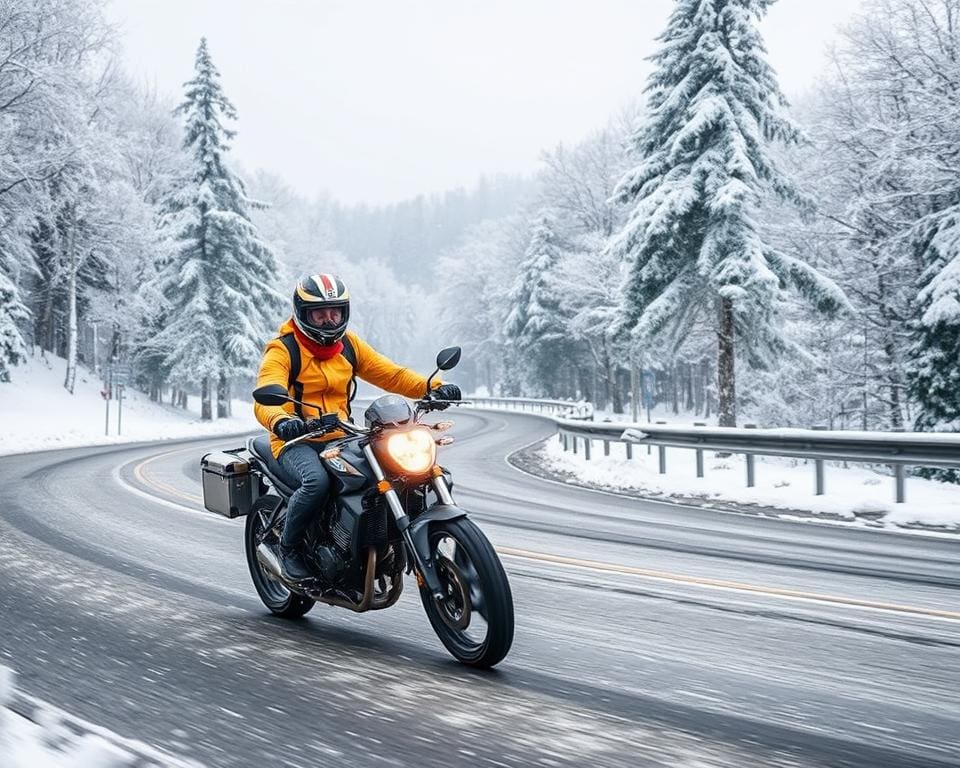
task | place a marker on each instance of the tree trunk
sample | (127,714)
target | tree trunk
(699,390)
(611,383)
(893,376)
(71,374)
(674,393)
(896,412)
(707,390)
(726,383)
(584,375)
(223,397)
(206,409)
(96,350)
(47,334)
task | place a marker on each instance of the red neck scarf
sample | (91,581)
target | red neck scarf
(318,350)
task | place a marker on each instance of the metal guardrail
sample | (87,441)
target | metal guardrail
(570,409)
(896,449)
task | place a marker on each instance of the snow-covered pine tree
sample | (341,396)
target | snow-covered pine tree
(12,312)
(534,323)
(220,283)
(692,243)
(935,354)
(15,255)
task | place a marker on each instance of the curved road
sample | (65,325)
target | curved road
(647,634)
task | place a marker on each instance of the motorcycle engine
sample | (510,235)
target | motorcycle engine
(331,564)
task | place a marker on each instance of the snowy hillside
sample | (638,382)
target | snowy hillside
(37,413)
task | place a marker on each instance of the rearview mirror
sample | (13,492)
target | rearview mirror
(448,358)
(272,394)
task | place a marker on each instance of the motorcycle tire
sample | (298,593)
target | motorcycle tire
(274,594)
(489,593)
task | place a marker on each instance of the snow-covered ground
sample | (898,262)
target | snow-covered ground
(53,739)
(37,413)
(855,493)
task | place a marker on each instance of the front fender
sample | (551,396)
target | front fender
(420,528)
(420,536)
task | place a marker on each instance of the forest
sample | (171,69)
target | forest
(712,249)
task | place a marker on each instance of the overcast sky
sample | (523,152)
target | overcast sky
(378,100)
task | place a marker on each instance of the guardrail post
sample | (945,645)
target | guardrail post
(574,439)
(751,475)
(818,466)
(586,448)
(629,447)
(699,451)
(662,455)
(900,481)
(606,447)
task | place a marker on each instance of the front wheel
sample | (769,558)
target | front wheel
(474,621)
(272,591)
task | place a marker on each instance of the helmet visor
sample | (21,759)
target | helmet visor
(324,318)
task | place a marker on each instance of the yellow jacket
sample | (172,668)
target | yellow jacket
(326,382)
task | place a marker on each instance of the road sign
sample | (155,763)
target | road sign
(120,373)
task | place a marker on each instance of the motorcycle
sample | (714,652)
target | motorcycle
(378,523)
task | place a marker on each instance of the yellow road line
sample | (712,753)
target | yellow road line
(140,473)
(628,570)
(722,584)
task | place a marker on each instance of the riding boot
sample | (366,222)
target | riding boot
(292,565)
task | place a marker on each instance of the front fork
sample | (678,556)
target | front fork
(424,568)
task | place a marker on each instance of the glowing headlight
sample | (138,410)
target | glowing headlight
(414,450)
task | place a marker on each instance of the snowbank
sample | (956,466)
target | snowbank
(37,413)
(49,743)
(854,493)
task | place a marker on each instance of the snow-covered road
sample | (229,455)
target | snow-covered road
(647,634)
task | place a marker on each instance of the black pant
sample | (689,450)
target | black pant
(303,461)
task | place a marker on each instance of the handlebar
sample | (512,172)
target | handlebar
(331,422)
(432,404)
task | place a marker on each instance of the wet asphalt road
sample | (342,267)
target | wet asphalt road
(647,634)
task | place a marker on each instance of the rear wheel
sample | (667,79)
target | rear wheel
(273,592)
(474,620)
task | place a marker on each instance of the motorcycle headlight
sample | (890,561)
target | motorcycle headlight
(413,451)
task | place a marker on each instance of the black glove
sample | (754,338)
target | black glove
(447,392)
(325,423)
(288,429)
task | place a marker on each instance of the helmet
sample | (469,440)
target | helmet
(322,291)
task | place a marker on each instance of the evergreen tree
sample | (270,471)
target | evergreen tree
(935,354)
(219,283)
(534,322)
(13,312)
(692,243)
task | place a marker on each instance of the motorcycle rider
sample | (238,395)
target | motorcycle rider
(317,359)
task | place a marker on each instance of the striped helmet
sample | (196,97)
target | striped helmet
(321,291)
